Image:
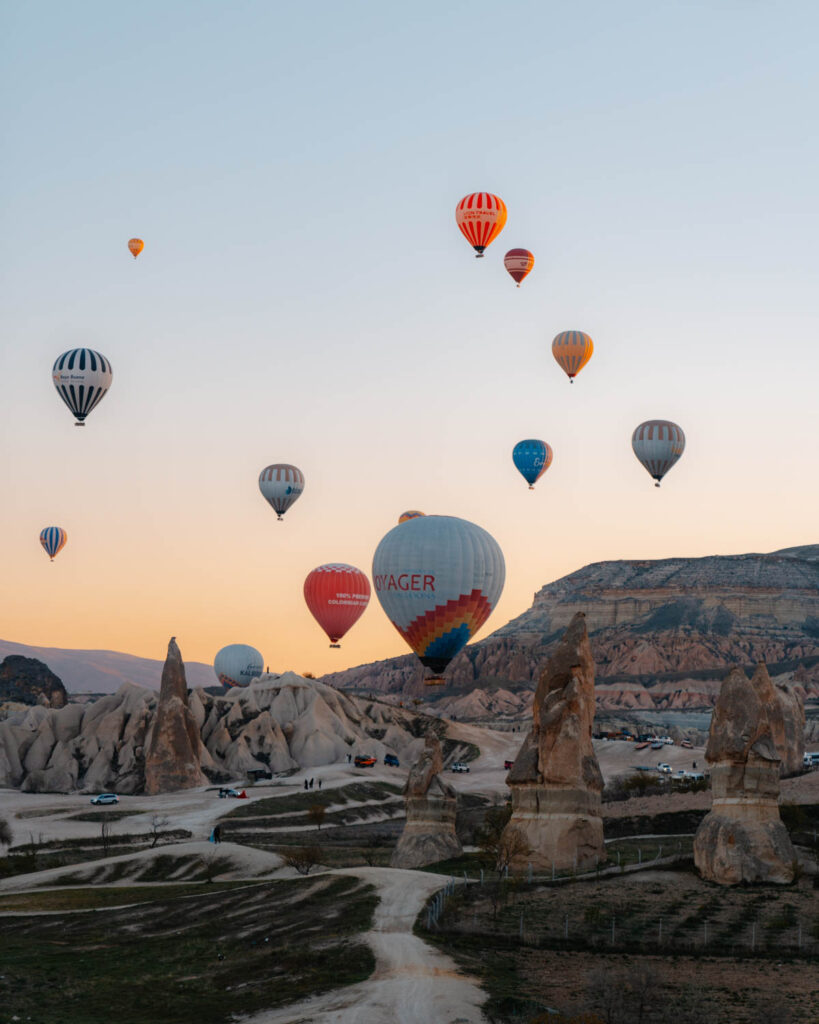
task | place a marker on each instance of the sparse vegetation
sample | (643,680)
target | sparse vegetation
(304,858)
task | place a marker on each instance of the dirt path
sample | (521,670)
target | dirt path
(413,983)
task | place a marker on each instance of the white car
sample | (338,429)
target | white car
(458,766)
(105,798)
(665,769)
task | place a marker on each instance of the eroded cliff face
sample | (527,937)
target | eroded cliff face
(664,632)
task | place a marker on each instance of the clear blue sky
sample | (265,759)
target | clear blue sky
(305,296)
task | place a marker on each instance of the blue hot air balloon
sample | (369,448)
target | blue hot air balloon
(53,539)
(532,458)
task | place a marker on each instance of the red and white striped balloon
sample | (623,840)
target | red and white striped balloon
(336,595)
(481,217)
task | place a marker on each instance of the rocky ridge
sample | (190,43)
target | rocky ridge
(279,723)
(664,633)
(29,681)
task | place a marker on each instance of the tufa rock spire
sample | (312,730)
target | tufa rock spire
(174,748)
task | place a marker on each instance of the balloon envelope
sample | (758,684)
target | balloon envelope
(532,458)
(518,263)
(238,665)
(53,539)
(135,246)
(337,595)
(572,350)
(281,485)
(411,514)
(658,444)
(438,579)
(481,217)
(82,378)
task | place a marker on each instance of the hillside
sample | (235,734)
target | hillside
(664,633)
(104,671)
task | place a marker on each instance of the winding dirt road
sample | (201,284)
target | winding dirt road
(413,983)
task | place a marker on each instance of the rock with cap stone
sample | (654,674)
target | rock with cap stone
(742,838)
(555,781)
(429,833)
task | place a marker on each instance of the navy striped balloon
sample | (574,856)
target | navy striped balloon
(53,539)
(82,378)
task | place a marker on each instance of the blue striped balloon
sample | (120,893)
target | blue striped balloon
(53,539)
(532,458)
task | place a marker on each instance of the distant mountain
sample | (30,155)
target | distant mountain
(664,632)
(105,671)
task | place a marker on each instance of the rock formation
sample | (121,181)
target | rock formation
(788,724)
(172,762)
(665,632)
(29,681)
(742,838)
(556,782)
(429,834)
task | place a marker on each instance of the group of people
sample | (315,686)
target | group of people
(310,784)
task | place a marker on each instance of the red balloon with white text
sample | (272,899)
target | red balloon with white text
(337,595)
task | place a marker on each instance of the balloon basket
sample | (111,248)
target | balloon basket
(531,488)
(79,423)
(279,519)
(335,645)
(657,484)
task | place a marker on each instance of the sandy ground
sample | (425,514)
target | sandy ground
(412,984)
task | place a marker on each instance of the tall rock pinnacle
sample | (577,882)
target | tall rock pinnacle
(172,762)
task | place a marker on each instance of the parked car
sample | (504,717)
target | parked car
(664,768)
(229,791)
(392,761)
(105,798)
(362,761)
(695,776)
(458,766)
(687,744)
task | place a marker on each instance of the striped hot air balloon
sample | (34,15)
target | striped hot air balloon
(411,514)
(53,539)
(658,444)
(82,378)
(481,217)
(532,458)
(572,350)
(337,595)
(238,665)
(438,579)
(281,485)
(518,263)
(135,246)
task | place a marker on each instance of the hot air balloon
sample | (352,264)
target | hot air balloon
(82,378)
(238,665)
(53,539)
(518,263)
(411,514)
(281,485)
(135,246)
(481,217)
(572,350)
(337,595)
(532,458)
(658,444)
(438,579)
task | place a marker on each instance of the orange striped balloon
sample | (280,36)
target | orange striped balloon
(518,263)
(135,246)
(572,350)
(481,217)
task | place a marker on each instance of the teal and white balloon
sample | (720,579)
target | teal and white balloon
(238,665)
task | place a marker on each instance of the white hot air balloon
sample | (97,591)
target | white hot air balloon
(281,485)
(238,665)
(438,579)
(658,444)
(82,378)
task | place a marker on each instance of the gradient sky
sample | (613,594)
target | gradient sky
(305,296)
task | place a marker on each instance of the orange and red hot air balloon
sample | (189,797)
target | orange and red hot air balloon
(572,350)
(337,595)
(481,217)
(518,263)
(135,246)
